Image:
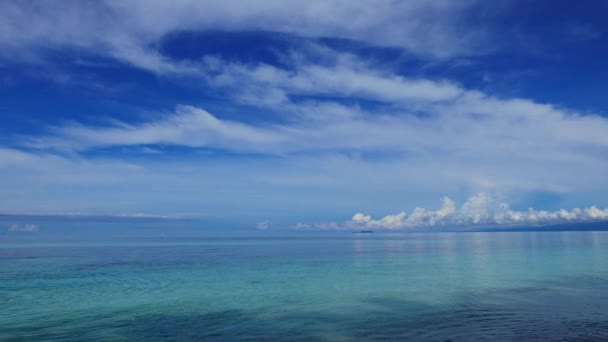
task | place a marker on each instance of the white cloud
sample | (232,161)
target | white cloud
(23,228)
(262,225)
(482,209)
(448,140)
(458,120)
(345,76)
(129,30)
(318,226)
(188,126)
(302,185)
(462,137)
(428,136)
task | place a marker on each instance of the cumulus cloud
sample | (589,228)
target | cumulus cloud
(29,228)
(482,209)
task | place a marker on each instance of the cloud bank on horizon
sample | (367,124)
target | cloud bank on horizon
(285,111)
(482,209)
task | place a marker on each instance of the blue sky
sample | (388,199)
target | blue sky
(318,114)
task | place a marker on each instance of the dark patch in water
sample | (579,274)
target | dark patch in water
(537,316)
(544,314)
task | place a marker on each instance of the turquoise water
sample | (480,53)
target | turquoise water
(440,286)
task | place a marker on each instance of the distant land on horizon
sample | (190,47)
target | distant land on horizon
(198,226)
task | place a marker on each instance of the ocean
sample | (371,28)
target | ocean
(473,286)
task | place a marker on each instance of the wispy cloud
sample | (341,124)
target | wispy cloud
(262,225)
(344,131)
(188,126)
(29,228)
(344,75)
(482,209)
(413,109)
(129,30)
(461,136)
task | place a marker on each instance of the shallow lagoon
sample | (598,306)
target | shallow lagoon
(416,286)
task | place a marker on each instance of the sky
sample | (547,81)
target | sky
(306,114)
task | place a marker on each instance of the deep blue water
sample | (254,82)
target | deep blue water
(428,286)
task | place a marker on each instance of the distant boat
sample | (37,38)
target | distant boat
(364,231)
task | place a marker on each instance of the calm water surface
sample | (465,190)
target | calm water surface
(432,287)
